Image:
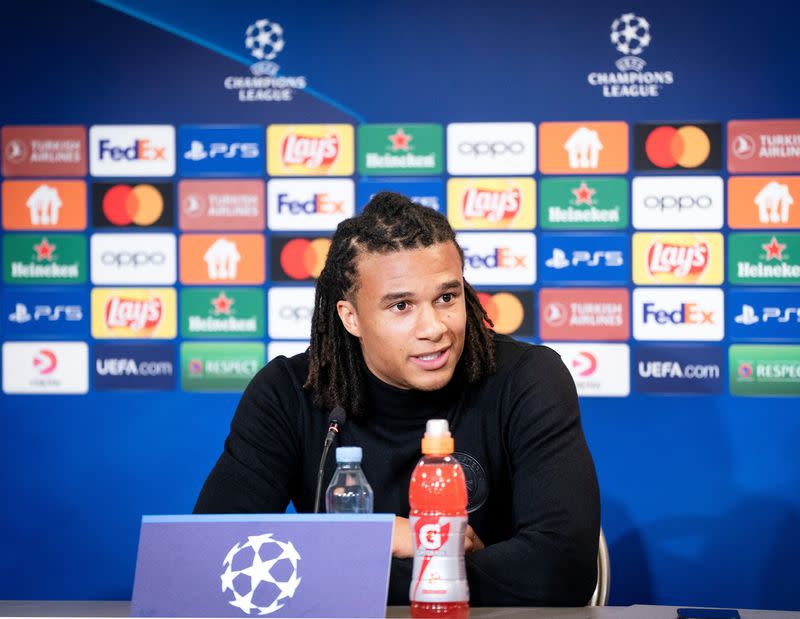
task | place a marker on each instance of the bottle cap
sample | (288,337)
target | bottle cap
(348,454)
(437,439)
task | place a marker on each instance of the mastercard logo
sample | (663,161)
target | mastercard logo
(682,147)
(120,205)
(507,311)
(304,258)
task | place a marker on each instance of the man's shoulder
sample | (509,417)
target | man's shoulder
(282,370)
(516,356)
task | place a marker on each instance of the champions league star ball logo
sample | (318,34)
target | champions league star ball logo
(261,574)
(630,34)
(264,39)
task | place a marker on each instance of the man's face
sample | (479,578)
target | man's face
(409,315)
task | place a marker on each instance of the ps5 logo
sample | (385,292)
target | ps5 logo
(244,150)
(51,313)
(748,315)
(609,258)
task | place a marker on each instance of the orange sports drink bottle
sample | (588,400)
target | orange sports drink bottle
(438,499)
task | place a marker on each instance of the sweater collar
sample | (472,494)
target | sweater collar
(388,401)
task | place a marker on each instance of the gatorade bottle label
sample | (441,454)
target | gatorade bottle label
(439,573)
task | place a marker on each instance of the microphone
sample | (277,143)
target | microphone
(335,422)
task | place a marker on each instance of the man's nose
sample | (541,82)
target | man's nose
(429,324)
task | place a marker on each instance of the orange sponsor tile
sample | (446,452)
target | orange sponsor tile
(44,205)
(583,147)
(222,259)
(764,202)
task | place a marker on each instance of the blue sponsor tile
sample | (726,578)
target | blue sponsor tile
(584,259)
(44,313)
(221,150)
(429,193)
(133,366)
(772,315)
(678,369)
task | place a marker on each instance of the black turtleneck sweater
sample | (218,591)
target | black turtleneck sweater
(533,492)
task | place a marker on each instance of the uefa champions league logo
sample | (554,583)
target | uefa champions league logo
(261,574)
(265,41)
(630,34)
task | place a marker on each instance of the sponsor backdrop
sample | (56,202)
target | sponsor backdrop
(171,178)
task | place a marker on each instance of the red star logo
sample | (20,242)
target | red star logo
(44,250)
(774,249)
(583,194)
(400,139)
(222,304)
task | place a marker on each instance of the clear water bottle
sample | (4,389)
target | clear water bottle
(349,491)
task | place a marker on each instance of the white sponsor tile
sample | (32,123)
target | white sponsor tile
(312,204)
(289,312)
(132,150)
(45,367)
(599,370)
(677,202)
(498,258)
(287,349)
(133,259)
(684,314)
(491,148)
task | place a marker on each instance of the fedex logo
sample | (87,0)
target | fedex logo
(686,313)
(763,315)
(497,259)
(143,150)
(321,203)
(317,204)
(676,314)
(132,150)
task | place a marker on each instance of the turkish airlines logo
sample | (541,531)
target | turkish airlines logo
(44,150)
(583,313)
(765,146)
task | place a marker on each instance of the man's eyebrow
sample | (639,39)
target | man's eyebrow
(450,285)
(394,296)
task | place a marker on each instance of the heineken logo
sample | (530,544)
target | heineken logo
(222,313)
(598,203)
(764,258)
(53,259)
(393,149)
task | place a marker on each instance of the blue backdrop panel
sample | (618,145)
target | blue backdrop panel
(700,495)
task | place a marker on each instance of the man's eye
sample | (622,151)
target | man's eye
(401,306)
(447,297)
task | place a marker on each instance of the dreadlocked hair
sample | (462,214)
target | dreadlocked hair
(390,222)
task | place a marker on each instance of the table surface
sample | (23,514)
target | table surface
(31,608)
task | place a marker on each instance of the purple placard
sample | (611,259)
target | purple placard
(264,565)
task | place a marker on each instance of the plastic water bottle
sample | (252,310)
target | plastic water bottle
(349,491)
(438,499)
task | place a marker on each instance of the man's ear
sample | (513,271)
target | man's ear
(349,317)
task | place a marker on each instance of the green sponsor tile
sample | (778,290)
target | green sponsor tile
(44,259)
(764,370)
(400,149)
(764,258)
(222,313)
(220,366)
(576,203)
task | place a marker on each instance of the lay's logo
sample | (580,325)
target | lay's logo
(310,150)
(681,260)
(491,203)
(677,258)
(124,313)
(499,259)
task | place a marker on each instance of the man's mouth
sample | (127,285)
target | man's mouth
(433,360)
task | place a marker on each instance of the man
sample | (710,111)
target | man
(398,337)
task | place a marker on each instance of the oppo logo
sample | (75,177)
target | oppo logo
(679,203)
(301,312)
(478,149)
(133,259)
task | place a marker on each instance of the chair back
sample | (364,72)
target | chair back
(603,588)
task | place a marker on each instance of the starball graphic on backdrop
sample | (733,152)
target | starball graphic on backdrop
(631,35)
(264,40)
